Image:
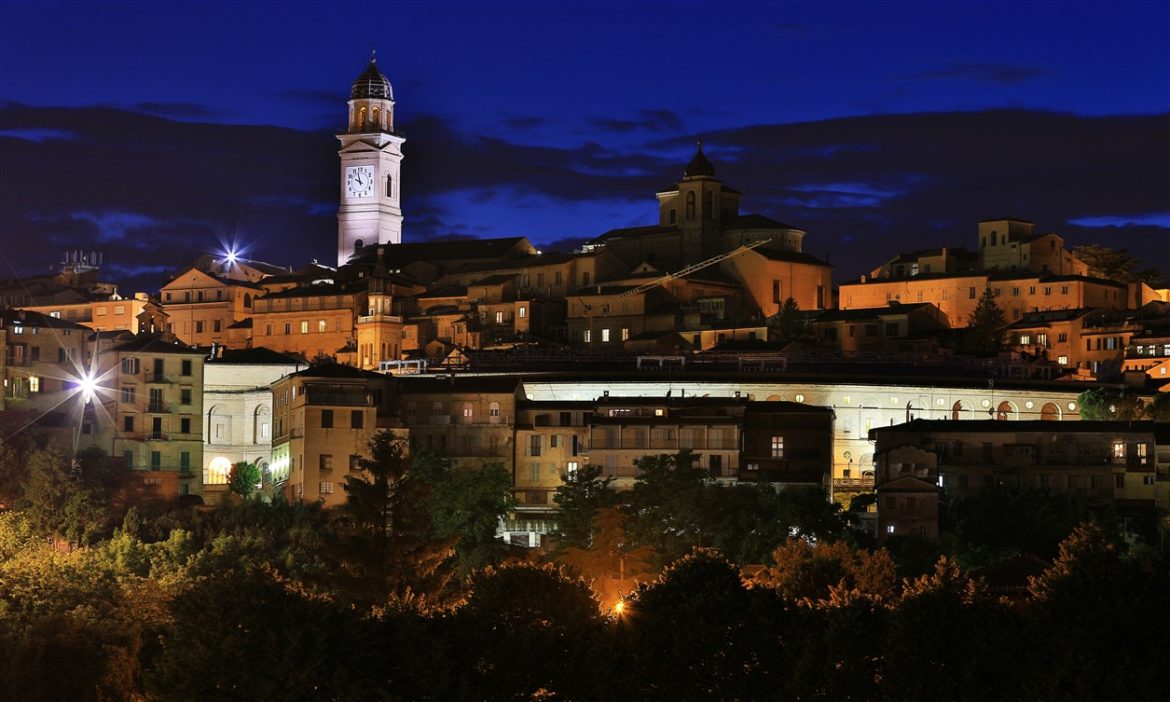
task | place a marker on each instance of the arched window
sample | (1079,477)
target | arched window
(217,471)
(690,206)
(247,300)
(994,238)
(389,186)
(1005,411)
(958,409)
(1050,412)
(361,120)
(357,245)
(262,425)
(376,118)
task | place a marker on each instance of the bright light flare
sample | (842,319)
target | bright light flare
(87,385)
(231,257)
(619,608)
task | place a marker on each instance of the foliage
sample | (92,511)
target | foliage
(611,564)
(578,498)
(1099,611)
(1159,409)
(1108,403)
(393,554)
(466,507)
(1115,265)
(802,571)
(251,635)
(788,321)
(61,499)
(243,478)
(987,327)
(542,615)
(674,508)
(1016,519)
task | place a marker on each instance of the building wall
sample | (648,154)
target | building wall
(808,284)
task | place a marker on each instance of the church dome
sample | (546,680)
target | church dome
(699,165)
(371,84)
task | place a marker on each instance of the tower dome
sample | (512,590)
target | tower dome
(371,84)
(699,165)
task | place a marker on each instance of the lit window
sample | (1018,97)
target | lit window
(800,398)
(321,325)
(753,466)
(571,470)
(890,529)
(523,312)
(586,336)
(467,411)
(625,333)
(604,335)
(217,471)
(1119,449)
(326,488)
(304,327)
(499,317)
(777,447)
(1062,360)
(34,384)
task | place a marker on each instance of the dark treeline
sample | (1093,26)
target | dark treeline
(406,594)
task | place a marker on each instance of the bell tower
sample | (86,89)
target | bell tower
(371,166)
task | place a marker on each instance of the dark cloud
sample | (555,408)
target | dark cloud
(152,192)
(177,110)
(523,123)
(982,72)
(647,120)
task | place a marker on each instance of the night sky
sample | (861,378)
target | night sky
(153,132)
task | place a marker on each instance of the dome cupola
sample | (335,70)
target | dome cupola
(699,165)
(371,84)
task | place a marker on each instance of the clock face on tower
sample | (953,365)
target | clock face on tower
(359,181)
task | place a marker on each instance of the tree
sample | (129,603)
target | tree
(548,622)
(1095,611)
(788,321)
(809,571)
(1118,266)
(1160,408)
(59,500)
(395,554)
(987,327)
(611,564)
(578,499)
(243,478)
(1110,404)
(466,507)
(666,504)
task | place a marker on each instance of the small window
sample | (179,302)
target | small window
(357,419)
(186,366)
(327,419)
(777,447)
(326,461)
(304,327)
(326,488)
(534,445)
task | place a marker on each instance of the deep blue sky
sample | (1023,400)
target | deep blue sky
(876,127)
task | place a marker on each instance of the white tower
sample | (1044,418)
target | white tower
(371,165)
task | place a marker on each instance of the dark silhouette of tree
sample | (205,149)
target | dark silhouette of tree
(578,498)
(1096,611)
(518,615)
(243,478)
(987,328)
(698,633)
(252,636)
(947,639)
(1009,520)
(788,321)
(1115,265)
(393,554)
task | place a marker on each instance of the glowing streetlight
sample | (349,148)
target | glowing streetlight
(619,608)
(232,257)
(88,385)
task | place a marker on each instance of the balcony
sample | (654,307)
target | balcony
(370,318)
(865,483)
(157,407)
(157,436)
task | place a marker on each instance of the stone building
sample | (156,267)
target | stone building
(237,402)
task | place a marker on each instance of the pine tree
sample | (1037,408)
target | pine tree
(985,332)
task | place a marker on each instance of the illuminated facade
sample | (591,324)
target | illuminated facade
(237,403)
